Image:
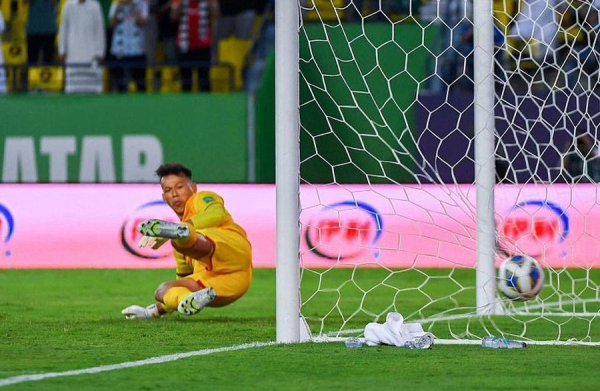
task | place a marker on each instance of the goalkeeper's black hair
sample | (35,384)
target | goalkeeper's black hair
(173,169)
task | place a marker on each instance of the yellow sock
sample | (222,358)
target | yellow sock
(190,240)
(163,309)
(173,296)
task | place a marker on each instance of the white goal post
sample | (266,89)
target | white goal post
(485,172)
(287,174)
(409,165)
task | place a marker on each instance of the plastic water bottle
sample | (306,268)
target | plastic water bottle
(420,343)
(501,343)
(353,342)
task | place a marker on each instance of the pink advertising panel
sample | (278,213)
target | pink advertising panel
(93,226)
(435,226)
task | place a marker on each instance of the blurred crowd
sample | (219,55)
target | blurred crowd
(539,43)
(128,36)
(543,42)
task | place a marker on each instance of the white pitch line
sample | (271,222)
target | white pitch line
(130,364)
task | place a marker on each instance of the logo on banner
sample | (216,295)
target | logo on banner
(7,227)
(344,230)
(130,236)
(534,228)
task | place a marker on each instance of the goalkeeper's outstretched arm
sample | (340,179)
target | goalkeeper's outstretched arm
(214,215)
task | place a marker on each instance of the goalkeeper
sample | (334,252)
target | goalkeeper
(212,253)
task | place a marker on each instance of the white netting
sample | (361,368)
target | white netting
(388,207)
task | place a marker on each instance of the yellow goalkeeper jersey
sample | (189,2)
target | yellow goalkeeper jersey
(198,204)
(233,251)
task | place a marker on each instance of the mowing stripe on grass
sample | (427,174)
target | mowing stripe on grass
(130,364)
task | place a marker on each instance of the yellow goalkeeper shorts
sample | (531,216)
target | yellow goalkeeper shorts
(229,270)
(228,287)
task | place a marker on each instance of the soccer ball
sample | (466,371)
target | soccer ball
(520,277)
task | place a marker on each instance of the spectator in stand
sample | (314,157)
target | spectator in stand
(128,47)
(41,31)
(167,31)
(581,162)
(536,26)
(151,31)
(446,15)
(532,41)
(579,53)
(236,18)
(194,39)
(2,71)
(462,58)
(105,5)
(82,33)
(82,45)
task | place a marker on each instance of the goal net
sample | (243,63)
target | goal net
(436,139)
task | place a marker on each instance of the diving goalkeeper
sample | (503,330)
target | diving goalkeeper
(212,253)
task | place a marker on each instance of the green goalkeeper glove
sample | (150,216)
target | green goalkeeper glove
(164,229)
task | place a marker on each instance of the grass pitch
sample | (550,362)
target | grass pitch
(53,321)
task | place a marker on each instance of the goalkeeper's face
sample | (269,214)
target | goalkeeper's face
(177,189)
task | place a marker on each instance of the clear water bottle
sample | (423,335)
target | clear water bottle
(420,343)
(353,342)
(501,343)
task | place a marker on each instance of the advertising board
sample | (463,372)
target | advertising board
(396,226)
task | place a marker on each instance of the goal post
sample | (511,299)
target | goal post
(287,172)
(485,172)
(418,145)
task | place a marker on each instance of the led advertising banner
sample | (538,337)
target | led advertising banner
(94,226)
(435,226)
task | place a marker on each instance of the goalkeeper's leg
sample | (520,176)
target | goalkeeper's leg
(185,295)
(196,301)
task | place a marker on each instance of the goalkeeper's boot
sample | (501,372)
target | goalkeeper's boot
(164,229)
(196,301)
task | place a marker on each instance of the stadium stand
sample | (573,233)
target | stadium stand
(233,51)
(327,10)
(46,78)
(170,80)
(233,56)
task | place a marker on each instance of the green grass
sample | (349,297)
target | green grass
(353,297)
(61,320)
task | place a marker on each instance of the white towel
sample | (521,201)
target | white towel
(393,332)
